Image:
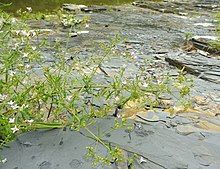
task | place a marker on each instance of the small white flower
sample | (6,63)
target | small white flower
(11,103)
(3,97)
(15,106)
(16,46)
(11,120)
(24,81)
(40,101)
(28,34)
(142,160)
(32,33)
(24,106)
(34,47)
(12,73)
(124,54)
(30,121)
(145,84)
(117,98)
(14,20)
(135,57)
(4,160)
(87,25)
(25,55)
(24,32)
(159,81)
(124,82)
(17,32)
(124,66)
(14,129)
(29,9)
(27,66)
(68,98)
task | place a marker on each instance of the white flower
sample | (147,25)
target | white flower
(132,53)
(27,66)
(30,121)
(11,103)
(24,106)
(11,120)
(16,46)
(14,129)
(124,66)
(32,33)
(68,98)
(24,32)
(25,55)
(14,20)
(34,47)
(87,25)
(29,9)
(145,84)
(2,97)
(24,81)
(134,57)
(159,81)
(4,160)
(15,106)
(12,73)
(142,160)
(117,98)
(40,101)
(17,32)
(124,82)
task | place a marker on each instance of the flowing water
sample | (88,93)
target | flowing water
(48,5)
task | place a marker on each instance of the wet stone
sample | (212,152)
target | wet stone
(94,9)
(178,7)
(197,65)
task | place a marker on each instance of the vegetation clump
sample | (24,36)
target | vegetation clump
(36,94)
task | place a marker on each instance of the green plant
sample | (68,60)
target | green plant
(35,94)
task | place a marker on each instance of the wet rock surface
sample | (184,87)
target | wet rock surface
(180,7)
(156,146)
(203,67)
(188,139)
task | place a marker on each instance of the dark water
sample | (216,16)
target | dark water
(49,5)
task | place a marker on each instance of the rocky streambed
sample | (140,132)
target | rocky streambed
(156,31)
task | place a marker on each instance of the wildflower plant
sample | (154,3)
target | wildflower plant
(35,94)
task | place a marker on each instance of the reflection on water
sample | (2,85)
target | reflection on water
(49,5)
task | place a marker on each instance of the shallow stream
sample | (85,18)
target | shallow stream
(48,5)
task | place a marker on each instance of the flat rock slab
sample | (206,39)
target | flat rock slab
(202,66)
(157,147)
